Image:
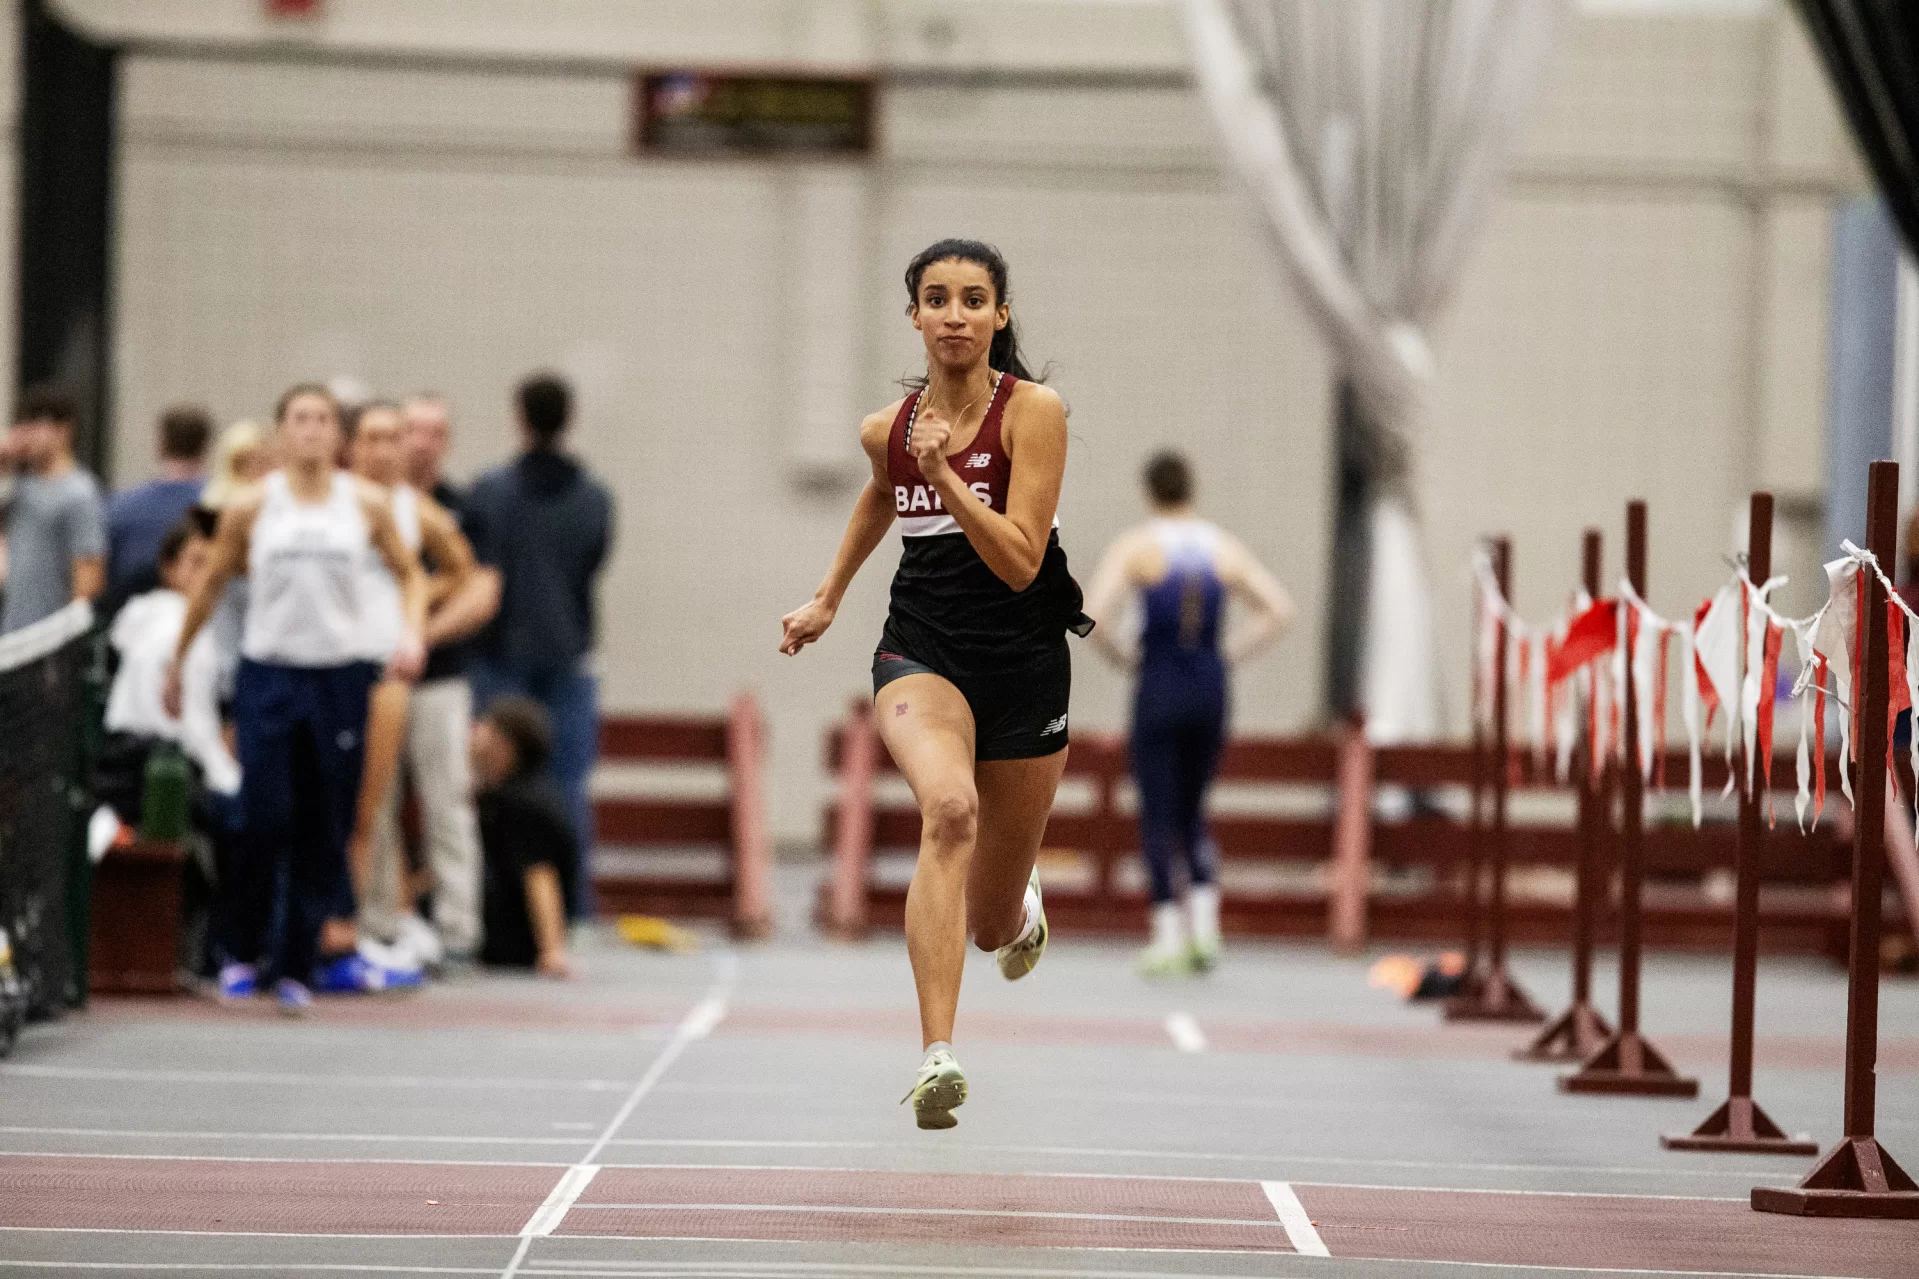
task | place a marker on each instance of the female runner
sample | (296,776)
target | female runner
(300,697)
(972,674)
(1182,568)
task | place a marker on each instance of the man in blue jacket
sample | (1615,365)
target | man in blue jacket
(546,525)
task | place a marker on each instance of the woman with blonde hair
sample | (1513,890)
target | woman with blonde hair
(241,458)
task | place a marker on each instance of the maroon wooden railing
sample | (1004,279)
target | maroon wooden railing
(859,894)
(734,823)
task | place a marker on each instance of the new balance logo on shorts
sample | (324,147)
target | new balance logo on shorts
(1057,726)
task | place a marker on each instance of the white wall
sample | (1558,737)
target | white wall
(1636,324)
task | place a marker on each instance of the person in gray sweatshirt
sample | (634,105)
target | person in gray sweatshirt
(546,525)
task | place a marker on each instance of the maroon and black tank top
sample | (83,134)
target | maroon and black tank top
(949,610)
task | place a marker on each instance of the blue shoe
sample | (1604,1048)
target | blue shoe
(294,999)
(238,981)
(355,975)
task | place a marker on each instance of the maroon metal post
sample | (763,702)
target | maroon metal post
(1858,1177)
(1739,1124)
(1577,1033)
(1626,1062)
(1491,994)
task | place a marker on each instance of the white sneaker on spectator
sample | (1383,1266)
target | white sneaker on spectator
(419,941)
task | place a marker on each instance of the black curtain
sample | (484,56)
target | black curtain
(64,304)
(1351,572)
(1871,51)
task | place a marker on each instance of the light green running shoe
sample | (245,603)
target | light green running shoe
(1166,961)
(1203,956)
(939,1090)
(1016,959)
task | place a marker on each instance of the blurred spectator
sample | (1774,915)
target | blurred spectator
(429,432)
(530,850)
(145,633)
(137,518)
(546,526)
(241,459)
(424,728)
(56,537)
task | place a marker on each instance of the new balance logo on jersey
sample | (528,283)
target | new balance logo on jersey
(1057,726)
(978,460)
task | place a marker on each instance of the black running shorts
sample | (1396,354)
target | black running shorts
(1018,714)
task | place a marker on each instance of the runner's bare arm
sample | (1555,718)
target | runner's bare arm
(1117,574)
(232,537)
(1270,607)
(1014,544)
(410,656)
(471,593)
(873,514)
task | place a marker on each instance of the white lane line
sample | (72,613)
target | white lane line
(164,1134)
(1213,1156)
(1772,1176)
(252,1267)
(1185,1033)
(566,1192)
(697,1024)
(615,1268)
(281,1079)
(866,1210)
(1292,1215)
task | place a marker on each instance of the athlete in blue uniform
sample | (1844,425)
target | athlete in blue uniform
(1181,569)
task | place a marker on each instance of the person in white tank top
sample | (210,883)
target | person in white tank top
(300,696)
(464,599)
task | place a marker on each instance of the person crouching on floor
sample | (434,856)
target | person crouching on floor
(530,851)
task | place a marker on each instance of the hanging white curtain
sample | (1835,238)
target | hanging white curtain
(1371,135)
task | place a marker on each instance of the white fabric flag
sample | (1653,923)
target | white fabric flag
(1838,625)
(1750,692)
(1645,681)
(1689,709)
(1805,691)
(1717,646)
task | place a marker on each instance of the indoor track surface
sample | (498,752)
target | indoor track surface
(734,1112)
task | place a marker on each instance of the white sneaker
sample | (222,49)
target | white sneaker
(1166,955)
(1018,957)
(939,1090)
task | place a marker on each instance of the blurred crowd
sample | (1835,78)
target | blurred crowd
(376,683)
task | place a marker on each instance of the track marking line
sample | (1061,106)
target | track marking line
(1779,1178)
(613,1268)
(565,1193)
(1185,1033)
(1292,1215)
(1099,1152)
(163,1134)
(895,1211)
(280,1079)
(260,1267)
(698,1023)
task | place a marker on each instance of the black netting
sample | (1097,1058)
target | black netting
(41,708)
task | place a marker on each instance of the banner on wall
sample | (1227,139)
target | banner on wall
(722,114)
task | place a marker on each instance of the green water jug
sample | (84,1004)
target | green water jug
(168,790)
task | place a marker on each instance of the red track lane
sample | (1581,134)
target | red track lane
(1004,1210)
(1603,1231)
(269,1197)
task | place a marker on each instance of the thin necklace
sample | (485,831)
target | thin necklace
(920,398)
